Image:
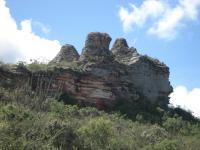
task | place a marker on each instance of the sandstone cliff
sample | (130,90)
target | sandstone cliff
(102,76)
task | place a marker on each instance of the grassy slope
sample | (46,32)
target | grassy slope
(29,123)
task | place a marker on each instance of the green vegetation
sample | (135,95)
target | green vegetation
(32,123)
(153,60)
(35,65)
(146,112)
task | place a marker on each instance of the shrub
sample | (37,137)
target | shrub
(96,133)
(155,134)
(66,139)
(167,145)
(30,122)
(174,125)
(37,66)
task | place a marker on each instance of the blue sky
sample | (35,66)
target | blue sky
(164,29)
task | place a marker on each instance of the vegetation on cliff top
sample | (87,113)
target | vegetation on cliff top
(35,66)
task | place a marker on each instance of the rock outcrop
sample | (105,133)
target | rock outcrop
(67,53)
(122,53)
(149,76)
(103,76)
(121,72)
(96,47)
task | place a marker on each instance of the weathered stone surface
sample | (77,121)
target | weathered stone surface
(119,44)
(149,76)
(67,53)
(96,47)
(151,79)
(123,53)
(105,76)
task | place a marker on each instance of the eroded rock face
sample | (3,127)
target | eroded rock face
(105,76)
(122,53)
(96,47)
(67,53)
(119,73)
(131,75)
(149,76)
(119,44)
(151,79)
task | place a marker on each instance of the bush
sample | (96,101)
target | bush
(96,133)
(37,66)
(167,145)
(140,110)
(31,122)
(66,139)
(174,125)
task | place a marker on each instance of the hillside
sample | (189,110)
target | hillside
(32,123)
(104,99)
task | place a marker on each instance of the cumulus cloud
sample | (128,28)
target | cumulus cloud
(139,15)
(189,100)
(166,19)
(44,28)
(19,43)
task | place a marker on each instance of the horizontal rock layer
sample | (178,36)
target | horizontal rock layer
(105,75)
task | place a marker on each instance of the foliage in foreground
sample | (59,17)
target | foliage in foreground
(32,124)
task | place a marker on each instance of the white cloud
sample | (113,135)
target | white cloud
(166,27)
(44,28)
(186,99)
(166,19)
(20,43)
(138,16)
